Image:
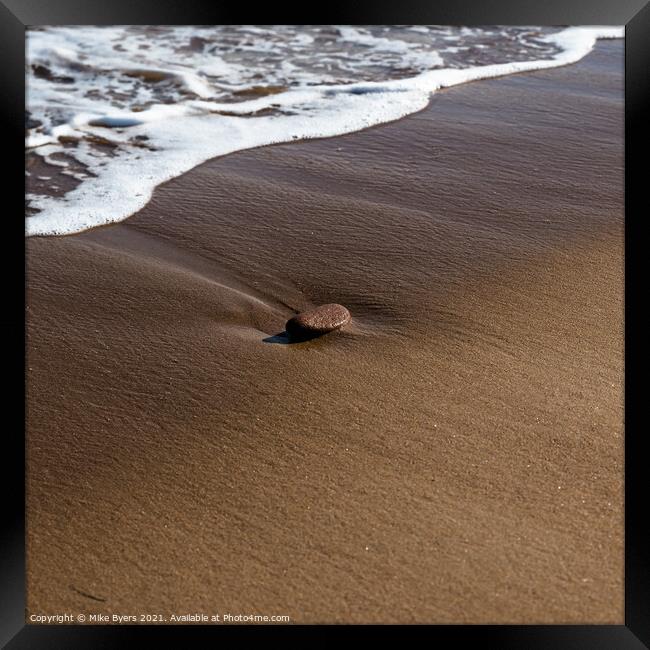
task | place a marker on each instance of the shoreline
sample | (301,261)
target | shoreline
(455,456)
(75,215)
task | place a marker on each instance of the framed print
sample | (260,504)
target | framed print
(324,324)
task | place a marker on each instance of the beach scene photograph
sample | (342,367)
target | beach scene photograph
(324,324)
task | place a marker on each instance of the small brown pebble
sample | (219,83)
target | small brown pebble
(315,322)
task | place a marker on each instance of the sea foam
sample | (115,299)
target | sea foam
(187,114)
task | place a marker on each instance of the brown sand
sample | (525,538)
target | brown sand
(454,456)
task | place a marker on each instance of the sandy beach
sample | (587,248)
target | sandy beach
(455,455)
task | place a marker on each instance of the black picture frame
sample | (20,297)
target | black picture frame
(15,15)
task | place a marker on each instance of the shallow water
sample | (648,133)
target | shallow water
(115,111)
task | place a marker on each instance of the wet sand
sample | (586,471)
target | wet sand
(455,455)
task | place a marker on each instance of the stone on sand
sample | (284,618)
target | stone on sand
(320,320)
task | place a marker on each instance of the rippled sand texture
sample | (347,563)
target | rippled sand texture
(454,456)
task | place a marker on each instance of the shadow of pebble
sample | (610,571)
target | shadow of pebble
(283,338)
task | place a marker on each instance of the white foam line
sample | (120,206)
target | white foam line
(185,135)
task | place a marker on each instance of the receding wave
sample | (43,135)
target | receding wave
(115,111)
